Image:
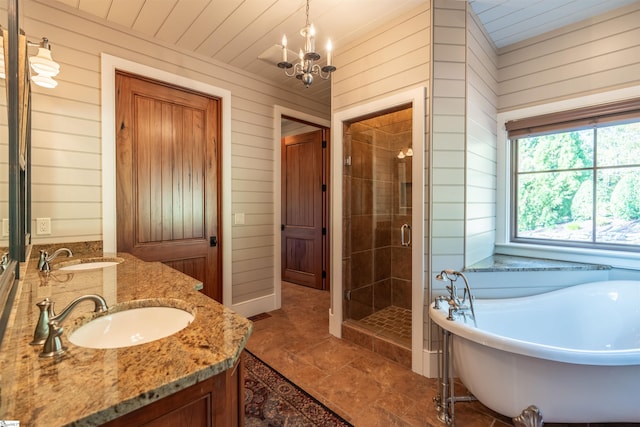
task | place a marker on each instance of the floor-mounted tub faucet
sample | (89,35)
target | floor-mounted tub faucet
(48,329)
(457,305)
(45,258)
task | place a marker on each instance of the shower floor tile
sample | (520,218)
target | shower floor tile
(392,321)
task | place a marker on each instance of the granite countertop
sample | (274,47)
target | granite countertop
(517,263)
(91,386)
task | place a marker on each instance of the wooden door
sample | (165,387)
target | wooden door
(303,228)
(167,187)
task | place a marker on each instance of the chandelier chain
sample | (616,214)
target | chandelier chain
(307,12)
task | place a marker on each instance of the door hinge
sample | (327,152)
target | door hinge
(324,144)
(281,227)
(324,274)
(347,295)
(324,231)
(324,187)
(213,241)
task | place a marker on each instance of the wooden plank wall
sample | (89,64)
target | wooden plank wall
(481,173)
(67,135)
(449,92)
(592,56)
(392,59)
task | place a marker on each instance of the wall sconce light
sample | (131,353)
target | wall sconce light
(42,64)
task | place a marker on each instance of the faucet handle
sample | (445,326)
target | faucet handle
(53,345)
(5,261)
(43,262)
(42,327)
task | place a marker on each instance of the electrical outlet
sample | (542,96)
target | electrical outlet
(43,226)
(5,227)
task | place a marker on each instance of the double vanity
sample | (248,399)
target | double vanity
(186,370)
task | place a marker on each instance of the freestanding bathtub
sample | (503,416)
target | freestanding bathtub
(573,353)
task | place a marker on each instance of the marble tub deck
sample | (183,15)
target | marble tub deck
(91,386)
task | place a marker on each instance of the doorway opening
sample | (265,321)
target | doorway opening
(377,241)
(304,210)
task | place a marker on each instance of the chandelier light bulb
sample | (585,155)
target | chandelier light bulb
(312,38)
(284,48)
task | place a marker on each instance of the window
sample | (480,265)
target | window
(576,177)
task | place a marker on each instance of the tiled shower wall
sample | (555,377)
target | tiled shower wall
(377,202)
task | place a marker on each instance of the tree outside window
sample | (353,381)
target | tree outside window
(579,186)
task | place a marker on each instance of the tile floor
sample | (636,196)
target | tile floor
(363,387)
(392,321)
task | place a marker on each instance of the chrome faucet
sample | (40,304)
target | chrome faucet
(48,329)
(5,261)
(457,305)
(45,258)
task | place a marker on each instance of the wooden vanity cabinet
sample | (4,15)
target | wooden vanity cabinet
(217,401)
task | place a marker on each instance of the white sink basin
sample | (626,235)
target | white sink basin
(131,327)
(89,264)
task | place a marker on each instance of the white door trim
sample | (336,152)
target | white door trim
(109,65)
(417,98)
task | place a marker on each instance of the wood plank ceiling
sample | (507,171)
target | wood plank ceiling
(246,33)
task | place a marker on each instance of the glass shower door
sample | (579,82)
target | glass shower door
(377,209)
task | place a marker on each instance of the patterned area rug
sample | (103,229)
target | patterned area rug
(273,401)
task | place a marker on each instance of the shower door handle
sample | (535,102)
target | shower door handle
(405,231)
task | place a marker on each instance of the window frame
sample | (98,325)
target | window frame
(503,244)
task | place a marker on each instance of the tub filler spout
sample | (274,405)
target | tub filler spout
(457,305)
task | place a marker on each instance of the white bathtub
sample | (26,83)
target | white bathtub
(574,353)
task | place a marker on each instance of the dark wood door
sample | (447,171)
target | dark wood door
(167,187)
(302,209)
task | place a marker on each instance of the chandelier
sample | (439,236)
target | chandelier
(306,68)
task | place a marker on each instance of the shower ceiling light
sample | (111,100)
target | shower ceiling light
(306,69)
(403,154)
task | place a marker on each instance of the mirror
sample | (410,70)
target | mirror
(4,151)
(10,210)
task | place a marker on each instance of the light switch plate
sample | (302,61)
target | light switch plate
(238,218)
(5,227)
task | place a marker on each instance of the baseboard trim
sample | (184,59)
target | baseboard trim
(255,306)
(430,364)
(335,325)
